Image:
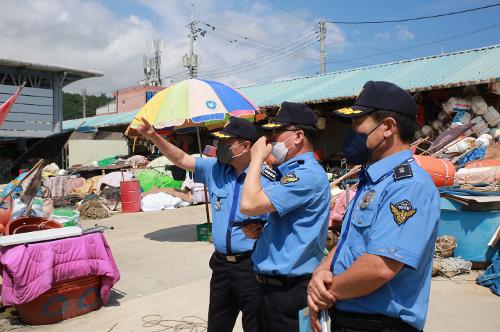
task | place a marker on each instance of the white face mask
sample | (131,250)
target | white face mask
(280,150)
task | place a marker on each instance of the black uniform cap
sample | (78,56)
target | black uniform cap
(293,114)
(380,95)
(238,128)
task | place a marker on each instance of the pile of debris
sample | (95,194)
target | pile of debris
(444,264)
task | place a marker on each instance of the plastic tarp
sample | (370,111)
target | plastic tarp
(150,178)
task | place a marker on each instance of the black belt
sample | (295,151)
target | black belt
(277,280)
(234,258)
(369,322)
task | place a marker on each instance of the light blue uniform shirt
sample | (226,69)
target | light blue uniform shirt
(398,219)
(292,242)
(222,181)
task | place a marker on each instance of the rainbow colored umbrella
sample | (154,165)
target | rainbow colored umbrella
(194,102)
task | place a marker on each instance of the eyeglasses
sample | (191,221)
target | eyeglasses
(282,130)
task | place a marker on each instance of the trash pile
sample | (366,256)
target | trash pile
(444,264)
(32,221)
(463,130)
(66,195)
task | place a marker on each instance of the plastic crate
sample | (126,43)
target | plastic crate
(67,299)
(204,232)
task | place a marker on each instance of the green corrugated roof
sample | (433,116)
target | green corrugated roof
(462,68)
(447,70)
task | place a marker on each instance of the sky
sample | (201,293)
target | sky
(244,42)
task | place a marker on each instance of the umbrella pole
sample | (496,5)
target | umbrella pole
(204,186)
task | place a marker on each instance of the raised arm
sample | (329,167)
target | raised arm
(254,201)
(173,153)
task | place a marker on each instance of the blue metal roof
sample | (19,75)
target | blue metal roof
(100,121)
(470,67)
(462,68)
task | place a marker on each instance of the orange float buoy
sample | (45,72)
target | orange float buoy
(441,171)
(5,213)
(130,192)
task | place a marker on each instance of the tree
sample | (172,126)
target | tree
(73,105)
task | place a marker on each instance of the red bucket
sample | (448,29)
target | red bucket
(130,192)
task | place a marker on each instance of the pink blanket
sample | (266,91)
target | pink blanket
(30,270)
(338,211)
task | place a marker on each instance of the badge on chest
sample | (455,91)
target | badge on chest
(218,204)
(367,199)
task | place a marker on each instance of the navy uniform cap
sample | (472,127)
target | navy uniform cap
(380,95)
(293,114)
(238,128)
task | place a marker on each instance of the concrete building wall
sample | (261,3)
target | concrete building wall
(86,151)
(107,109)
(131,99)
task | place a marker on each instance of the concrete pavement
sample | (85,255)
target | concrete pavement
(164,272)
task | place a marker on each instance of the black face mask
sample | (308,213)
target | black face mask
(224,153)
(355,149)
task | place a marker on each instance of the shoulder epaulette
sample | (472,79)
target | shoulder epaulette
(403,171)
(269,173)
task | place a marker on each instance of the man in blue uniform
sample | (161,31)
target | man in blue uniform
(378,277)
(233,287)
(291,244)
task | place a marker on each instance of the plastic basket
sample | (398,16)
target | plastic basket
(204,232)
(64,300)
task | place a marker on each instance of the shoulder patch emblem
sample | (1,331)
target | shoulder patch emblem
(289,178)
(402,211)
(403,171)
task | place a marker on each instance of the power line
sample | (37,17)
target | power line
(388,52)
(264,61)
(417,18)
(286,50)
(420,45)
(256,45)
(213,29)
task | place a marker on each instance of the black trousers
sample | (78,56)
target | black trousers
(357,322)
(233,288)
(280,306)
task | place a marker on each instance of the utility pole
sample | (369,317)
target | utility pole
(322,52)
(191,61)
(84,99)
